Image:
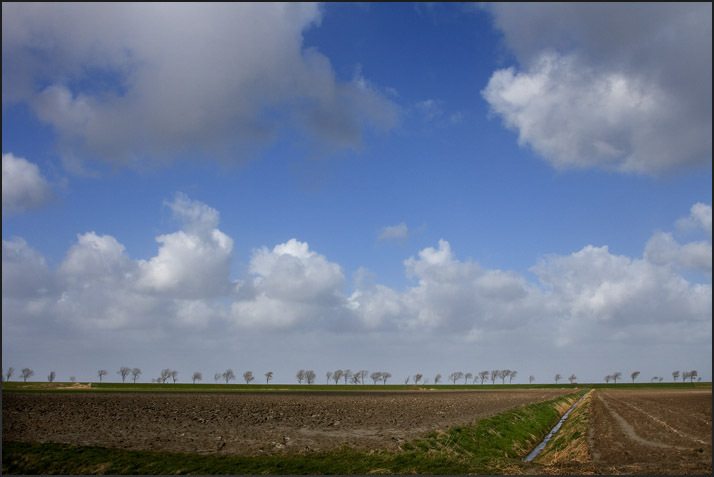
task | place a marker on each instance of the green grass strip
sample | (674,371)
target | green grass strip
(489,446)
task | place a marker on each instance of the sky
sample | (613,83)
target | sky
(408,188)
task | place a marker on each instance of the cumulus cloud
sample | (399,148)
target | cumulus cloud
(663,249)
(450,295)
(622,87)
(25,273)
(23,187)
(593,295)
(700,217)
(191,263)
(132,83)
(291,284)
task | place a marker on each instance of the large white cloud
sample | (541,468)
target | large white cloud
(23,187)
(625,87)
(194,262)
(131,82)
(291,284)
(450,295)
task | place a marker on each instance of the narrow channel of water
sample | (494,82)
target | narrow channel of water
(534,453)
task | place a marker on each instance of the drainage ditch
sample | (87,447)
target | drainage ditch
(539,448)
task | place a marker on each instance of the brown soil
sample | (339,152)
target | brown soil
(251,423)
(651,432)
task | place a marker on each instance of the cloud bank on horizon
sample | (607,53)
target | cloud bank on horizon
(588,295)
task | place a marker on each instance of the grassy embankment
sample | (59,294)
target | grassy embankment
(489,446)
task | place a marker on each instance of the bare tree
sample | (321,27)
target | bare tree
(310,376)
(511,376)
(557,378)
(346,374)
(504,374)
(197,376)
(268,377)
(685,375)
(495,374)
(483,376)
(135,373)
(8,373)
(123,372)
(608,378)
(101,373)
(417,378)
(300,375)
(26,373)
(437,379)
(406,380)
(165,375)
(329,375)
(455,376)
(217,376)
(72,379)
(572,378)
(51,377)
(337,375)
(654,378)
(385,376)
(248,376)
(228,375)
(661,379)
(355,378)
(616,375)
(375,376)
(692,375)
(467,376)
(174,375)
(363,374)
(531,378)
(675,375)
(634,376)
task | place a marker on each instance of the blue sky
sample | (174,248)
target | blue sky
(420,188)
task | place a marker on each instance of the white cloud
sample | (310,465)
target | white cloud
(291,284)
(149,95)
(25,273)
(23,187)
(394,232)
(191,263)
(663,250)
(700,217)
(592,92)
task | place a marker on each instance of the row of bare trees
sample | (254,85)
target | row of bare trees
(356,377)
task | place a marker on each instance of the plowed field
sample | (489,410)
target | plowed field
(651,432)
(250,423)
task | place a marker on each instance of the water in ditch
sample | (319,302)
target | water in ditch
(539,448)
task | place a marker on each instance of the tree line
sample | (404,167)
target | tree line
(349,377)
